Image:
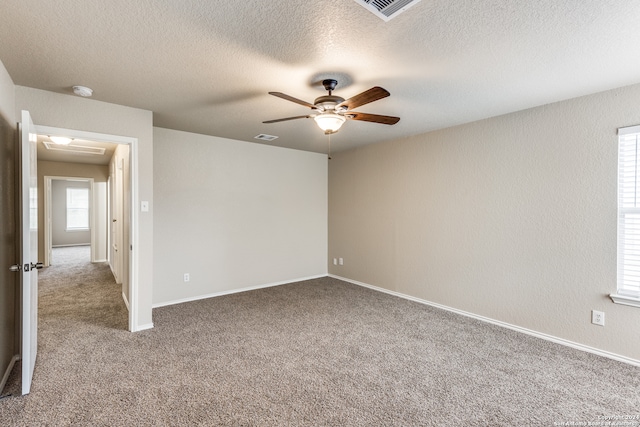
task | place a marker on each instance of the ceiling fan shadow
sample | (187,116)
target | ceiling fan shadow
(343,80)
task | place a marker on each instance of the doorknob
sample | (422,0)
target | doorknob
(15,268)
(29,267)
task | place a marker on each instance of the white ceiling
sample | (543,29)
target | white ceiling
(206,66)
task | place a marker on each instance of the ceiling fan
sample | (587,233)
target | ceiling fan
(331,111)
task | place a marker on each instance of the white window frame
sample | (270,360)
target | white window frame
(88,209)
(628,283)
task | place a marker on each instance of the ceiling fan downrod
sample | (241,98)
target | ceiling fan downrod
(329,85)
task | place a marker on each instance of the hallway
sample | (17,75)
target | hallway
(70,255)
(74,289)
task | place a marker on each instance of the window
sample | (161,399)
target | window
(628,217)
(77,208)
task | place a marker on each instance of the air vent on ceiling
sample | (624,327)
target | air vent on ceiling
(387,9)
(265,137)
(74,149)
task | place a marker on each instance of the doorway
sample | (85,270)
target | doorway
(126,147)
(75,214)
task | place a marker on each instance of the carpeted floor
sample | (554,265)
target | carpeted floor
(71,256)
(315,353)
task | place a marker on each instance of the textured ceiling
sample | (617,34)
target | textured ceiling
(206,66)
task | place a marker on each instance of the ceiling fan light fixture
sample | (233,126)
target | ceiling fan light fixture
(60,140)
(329,122)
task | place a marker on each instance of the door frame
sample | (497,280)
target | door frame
(48,215)
(134,217)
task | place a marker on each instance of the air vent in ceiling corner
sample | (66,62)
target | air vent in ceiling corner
(265,137)
(387,9)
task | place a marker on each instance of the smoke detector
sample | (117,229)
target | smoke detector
(82,91)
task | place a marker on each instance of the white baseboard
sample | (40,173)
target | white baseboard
(235,291)
(143,327)
(5,377)
(520,329)
(100,260)
(126,301)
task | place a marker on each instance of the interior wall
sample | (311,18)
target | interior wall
(512,218)
(9,295)
(60,236)
(235,215)
(100,225)
(74,112)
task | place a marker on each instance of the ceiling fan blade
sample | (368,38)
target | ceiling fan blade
(363,98)
(287,118)
(385,120)
(292,99)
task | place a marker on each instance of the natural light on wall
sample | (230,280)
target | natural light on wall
(628,217)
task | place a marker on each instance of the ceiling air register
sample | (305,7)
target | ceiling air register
(386,9)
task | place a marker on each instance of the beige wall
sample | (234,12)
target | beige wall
(511,218)
(234,215)
(9,295)
(7,95)
(73,112)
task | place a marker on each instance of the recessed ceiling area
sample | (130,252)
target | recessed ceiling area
(208,67)
(77,151)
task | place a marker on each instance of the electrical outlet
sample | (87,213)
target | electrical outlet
(341,261)
(335,261)
(597,317)
(186,277)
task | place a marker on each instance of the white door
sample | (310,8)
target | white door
(30,264)
(114,224)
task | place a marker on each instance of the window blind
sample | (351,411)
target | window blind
(77,208)
(629,212)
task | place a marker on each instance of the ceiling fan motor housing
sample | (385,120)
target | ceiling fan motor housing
(327,102)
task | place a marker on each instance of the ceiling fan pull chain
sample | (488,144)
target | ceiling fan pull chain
(329,146)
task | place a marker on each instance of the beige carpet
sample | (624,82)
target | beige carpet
(71,255)
(315,353)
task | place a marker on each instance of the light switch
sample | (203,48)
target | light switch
(144,206)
